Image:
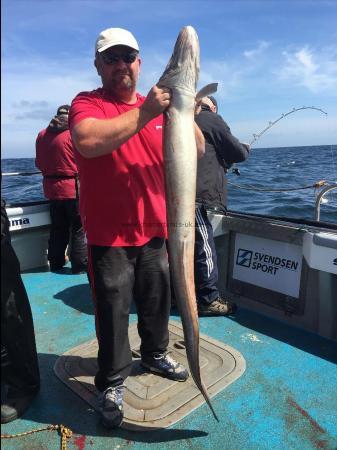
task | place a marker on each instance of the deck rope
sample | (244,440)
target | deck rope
(316,185)
(65,433)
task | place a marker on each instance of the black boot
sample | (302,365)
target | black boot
(16,404)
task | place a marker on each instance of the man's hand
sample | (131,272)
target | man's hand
(197,107)
(246,145)
(157,100)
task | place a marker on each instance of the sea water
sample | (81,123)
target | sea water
(265,184)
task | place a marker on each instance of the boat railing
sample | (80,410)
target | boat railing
(320,197)
(326,188)
(20,174)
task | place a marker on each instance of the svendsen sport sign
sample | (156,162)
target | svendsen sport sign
(269,264)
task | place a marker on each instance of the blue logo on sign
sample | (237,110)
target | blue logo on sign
(244,257)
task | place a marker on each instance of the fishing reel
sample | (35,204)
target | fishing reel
(227,166)
(236,171)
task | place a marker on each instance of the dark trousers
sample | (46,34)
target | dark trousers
(19,363)
(66,228)
(118,276)
(205,259)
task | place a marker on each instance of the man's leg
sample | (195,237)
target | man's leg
(206,270)
(206,265)
(59,234)
(111,271)
(77,244)
(153,299)
(20,373)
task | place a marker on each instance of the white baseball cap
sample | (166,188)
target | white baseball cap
(115,36)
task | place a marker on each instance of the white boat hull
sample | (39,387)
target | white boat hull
(283,269)
(29,228)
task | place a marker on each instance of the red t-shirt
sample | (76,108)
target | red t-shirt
(55,156)
(122,194)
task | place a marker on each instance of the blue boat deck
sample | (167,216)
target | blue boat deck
(286,399)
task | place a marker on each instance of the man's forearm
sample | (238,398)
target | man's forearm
(234,150)
(200,141)
(96,137)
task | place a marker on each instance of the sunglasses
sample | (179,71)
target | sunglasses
(128,58)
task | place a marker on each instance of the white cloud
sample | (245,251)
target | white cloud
(315,71)
(31,93)
(41,85)
(226,73)
(256,52)
(33,89)
(305,58)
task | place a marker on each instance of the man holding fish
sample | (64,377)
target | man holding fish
(118,145)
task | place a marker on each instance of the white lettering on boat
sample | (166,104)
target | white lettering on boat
(268,263)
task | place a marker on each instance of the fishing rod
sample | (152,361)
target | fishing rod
(283,115)
(257,136)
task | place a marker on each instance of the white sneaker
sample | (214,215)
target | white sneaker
(111,406)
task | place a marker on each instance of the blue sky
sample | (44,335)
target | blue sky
(268,57)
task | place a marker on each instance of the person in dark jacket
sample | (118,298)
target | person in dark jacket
(20,376)
(222,150)
(55,158)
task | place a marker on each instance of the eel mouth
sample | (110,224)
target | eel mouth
(182,70)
